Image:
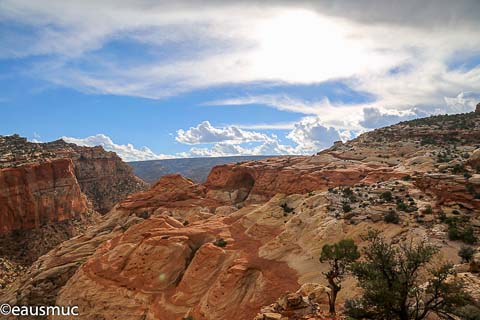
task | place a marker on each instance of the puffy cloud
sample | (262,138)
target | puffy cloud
(311,135)
(206,133)
(378,117)
(464,102)
(227,149)
(125,151)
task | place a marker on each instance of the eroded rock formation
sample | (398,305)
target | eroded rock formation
(102,175)
(230,248)
(39,193)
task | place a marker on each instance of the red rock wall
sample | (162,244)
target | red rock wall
(103,176)
(40,193)
(297,176)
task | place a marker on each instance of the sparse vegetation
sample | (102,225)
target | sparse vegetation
(286,208)
(458,169)
(220,243)
(392,276)
(466,253)
(460,231)
(387,196)
(346,207)
(391,217)
(339,256)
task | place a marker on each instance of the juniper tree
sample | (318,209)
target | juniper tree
(339,256)
(399,282)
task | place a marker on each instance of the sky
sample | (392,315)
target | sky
(166,79)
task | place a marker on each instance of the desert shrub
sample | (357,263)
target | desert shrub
(387,196)
(286,208)
(469,312)
(346,207)
(220,243)
(391,217)
(460,231)
(347,192)
(466,253)
(401,206)
(458,168)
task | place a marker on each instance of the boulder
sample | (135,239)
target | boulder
(475,263)
(315,292)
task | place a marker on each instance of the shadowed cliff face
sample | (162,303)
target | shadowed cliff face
(103,177)
(37,194)
(49,192)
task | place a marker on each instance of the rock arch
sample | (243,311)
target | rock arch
(240,184)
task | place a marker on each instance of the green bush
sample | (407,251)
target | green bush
(387,196)
(286,208)
(466,253)
(391,217)
(462,232)
(347,192)
(390,276)
(469,312)
(401,206)
(220,243)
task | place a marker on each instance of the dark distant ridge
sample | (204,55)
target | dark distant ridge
(196,169)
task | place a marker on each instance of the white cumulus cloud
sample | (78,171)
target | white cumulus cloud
(206,133)
(125,151)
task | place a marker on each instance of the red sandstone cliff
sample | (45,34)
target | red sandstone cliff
(102,175)
(37,194)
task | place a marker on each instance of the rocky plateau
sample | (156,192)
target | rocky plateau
(246,243)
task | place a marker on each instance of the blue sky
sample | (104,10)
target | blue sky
(152,79)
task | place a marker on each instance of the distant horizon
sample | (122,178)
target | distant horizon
(120,151)
(167,80)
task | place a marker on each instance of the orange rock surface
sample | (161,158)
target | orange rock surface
(37,194)
(163,270)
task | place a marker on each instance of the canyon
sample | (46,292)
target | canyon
(52,191)
(245,244)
